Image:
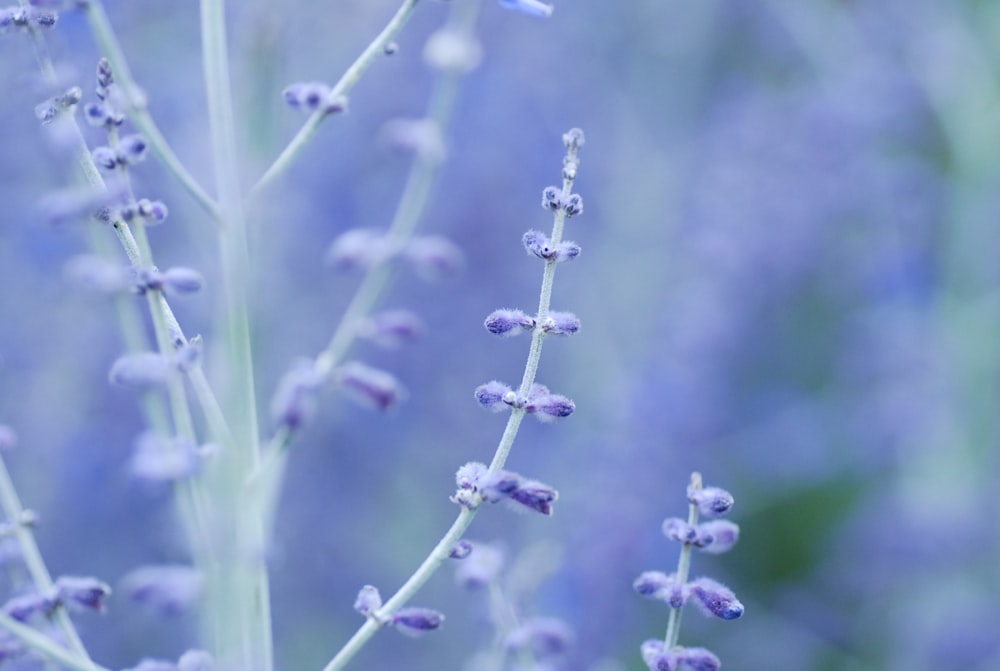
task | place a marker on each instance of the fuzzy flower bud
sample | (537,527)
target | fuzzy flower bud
(81,593)
(552,198)
(48,110)
(548,407)
(434,257)
(181,280)
(416,621)
(535,495)
(22,608)
(573,205)
(165,589)
(368,601)
(492,394)
(716,599)
(506,323)
(462,549)
(141,370)
(392,328)
(542,636)
(312,96)
(358,248)
(717,536)
(677,529)
(370,386)
(711,501)
(561,323)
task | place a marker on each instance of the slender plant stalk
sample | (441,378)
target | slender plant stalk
(46,646)
(136,108)
(373,51)
(683,569)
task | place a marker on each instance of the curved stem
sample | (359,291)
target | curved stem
(347,81)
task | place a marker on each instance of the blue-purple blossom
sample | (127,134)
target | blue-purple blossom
(24,606)
(572,205)
(368,600)
(552,198)
(677,529)
(530,7)
(717,536)
(535,495)
(496,485)
(141,370)
(539,244)
(392,328)
(176,280)
(561,323)
(103,115)
(546,406)
(493,396)
(715,598)
(506,323)
(196,660)
(480,568)
(433,256)
(461,550)
(164,589)
(370,386)
(295,399)
(660,586)
(151,211)
(81,593)
(542,636)
(711,501)
(416,621)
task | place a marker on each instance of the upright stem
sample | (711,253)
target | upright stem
(683,569)
(240,602)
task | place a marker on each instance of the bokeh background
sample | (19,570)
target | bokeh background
(789,282)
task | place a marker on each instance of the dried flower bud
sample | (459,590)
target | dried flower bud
(416,621)
(716,599)
(370,386)
(506,323)
(368,600)
(711,501)
(164,589)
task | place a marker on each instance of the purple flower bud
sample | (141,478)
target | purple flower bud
(105,157)
(141,370)
(717,536)
(506,323)
(295,399)
(652,583)
(358,248)
(499,484)
(481,568)
(656,658)
(697,659)
(153,211)
(537,243)
(573,205)
(677,529)
(392,328)
(549,407)
(470,474)
(164,589)
(434,257)
(492,394)
(418,136)
(370,386)
(22,608)
(716,598)
(158,460)
(566,250)
(573,138)
(529,7)
(182,280)
(536,496)
(81,593)
(461,550)
(132,149)
(8,438)
(105,78)
(196,660)
(416,621)
(306,95)
(368,601)
(711,501)
(561,323)
(543,636)
(552,198)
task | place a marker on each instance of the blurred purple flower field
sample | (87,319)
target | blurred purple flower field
(789,282)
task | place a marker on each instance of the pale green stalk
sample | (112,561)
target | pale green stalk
(136,106)
(442,550)
(683,570)
(46,646)
(240,596)
(375,50)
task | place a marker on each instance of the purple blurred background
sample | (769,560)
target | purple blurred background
(789,282)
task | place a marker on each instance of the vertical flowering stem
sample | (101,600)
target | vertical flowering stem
(240,600)
(683,569)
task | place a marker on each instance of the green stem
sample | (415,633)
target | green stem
(347,81)
(104,34)
(46,646)
(683,570)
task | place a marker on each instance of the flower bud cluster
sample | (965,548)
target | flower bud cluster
(313,96)
(130,150)
(477,483)
(72,592)
(539,401)
(675,589)
(26,18)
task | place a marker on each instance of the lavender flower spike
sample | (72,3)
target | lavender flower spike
(530,7)
(416,621)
